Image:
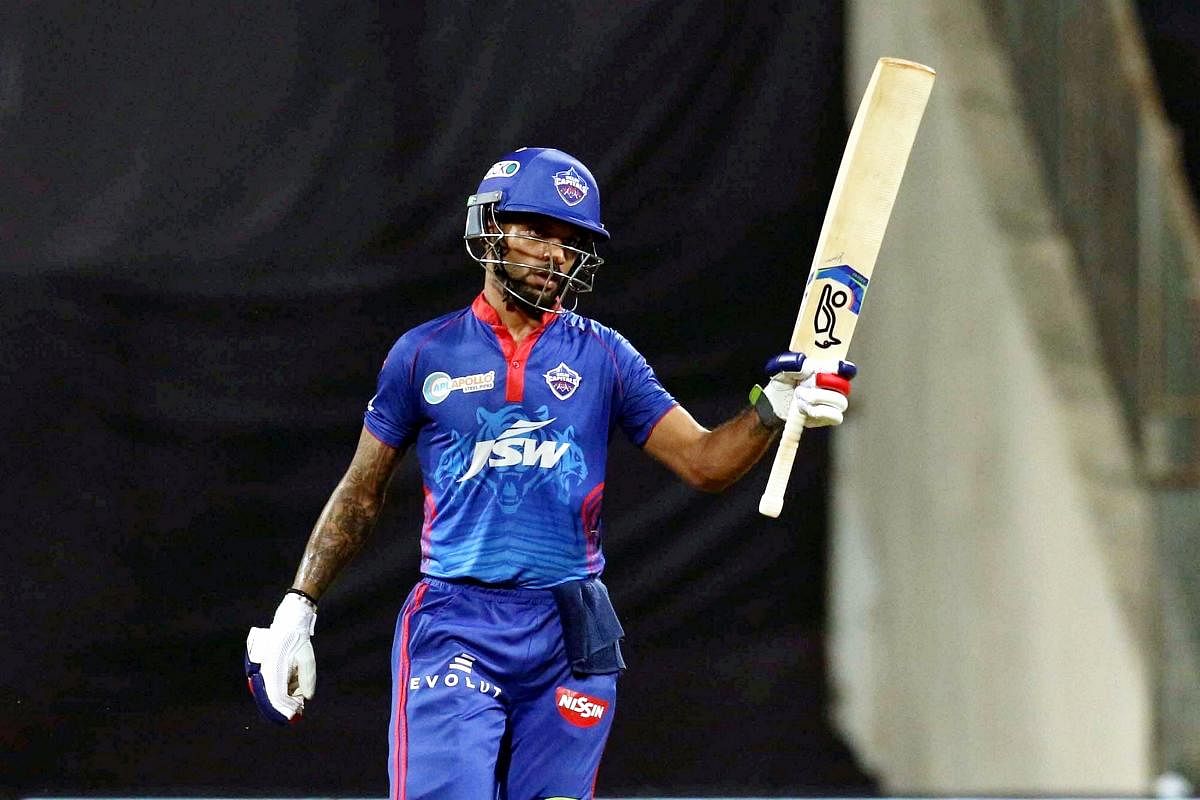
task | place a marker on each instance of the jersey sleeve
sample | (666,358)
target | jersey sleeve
(392,415)
(642,401)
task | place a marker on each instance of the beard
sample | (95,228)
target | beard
(530,298)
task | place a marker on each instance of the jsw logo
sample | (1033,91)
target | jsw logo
(512,448)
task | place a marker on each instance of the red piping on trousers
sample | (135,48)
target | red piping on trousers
(401,789)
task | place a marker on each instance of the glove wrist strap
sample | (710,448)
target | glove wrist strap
(766,414)
(305,595)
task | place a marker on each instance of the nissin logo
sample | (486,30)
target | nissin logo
(512,448)
(578,709)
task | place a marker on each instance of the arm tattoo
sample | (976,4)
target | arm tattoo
(344,525)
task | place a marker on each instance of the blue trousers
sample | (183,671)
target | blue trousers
(484,702)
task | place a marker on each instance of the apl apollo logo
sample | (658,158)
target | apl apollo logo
(581,710)
(513,456)
(571,186)
(438,385)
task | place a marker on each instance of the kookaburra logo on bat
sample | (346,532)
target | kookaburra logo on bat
(842,293)
(825,319)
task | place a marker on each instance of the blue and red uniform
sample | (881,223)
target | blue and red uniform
(512,439)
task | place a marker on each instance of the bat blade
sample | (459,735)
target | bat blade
(860,206)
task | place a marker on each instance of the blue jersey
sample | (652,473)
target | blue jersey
(512,439)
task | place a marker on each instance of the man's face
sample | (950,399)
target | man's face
(537,243)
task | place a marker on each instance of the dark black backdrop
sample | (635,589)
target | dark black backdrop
(1172,33)
(213,223)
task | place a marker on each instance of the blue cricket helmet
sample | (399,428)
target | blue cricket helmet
(550,183)
(542,180)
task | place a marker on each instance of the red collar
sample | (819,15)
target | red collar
(516,354)
(485,313)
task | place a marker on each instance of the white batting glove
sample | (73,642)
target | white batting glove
(281,668)
(821,387)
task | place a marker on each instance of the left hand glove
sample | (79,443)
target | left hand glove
(821,387)
(280,667)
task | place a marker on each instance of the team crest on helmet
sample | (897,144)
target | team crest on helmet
(571,187)
(562,380)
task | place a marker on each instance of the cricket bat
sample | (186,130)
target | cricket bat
(859,208)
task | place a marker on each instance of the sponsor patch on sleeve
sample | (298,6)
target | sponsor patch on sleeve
(438,385)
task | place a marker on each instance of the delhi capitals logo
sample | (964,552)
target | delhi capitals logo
(571,186)
(512,457)
(562,380)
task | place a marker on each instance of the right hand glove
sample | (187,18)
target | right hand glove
(281,669)
(820,387)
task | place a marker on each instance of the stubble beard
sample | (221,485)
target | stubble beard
(526,296)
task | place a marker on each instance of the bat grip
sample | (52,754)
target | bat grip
(781,468)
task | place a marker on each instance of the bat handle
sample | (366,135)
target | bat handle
(781,469)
